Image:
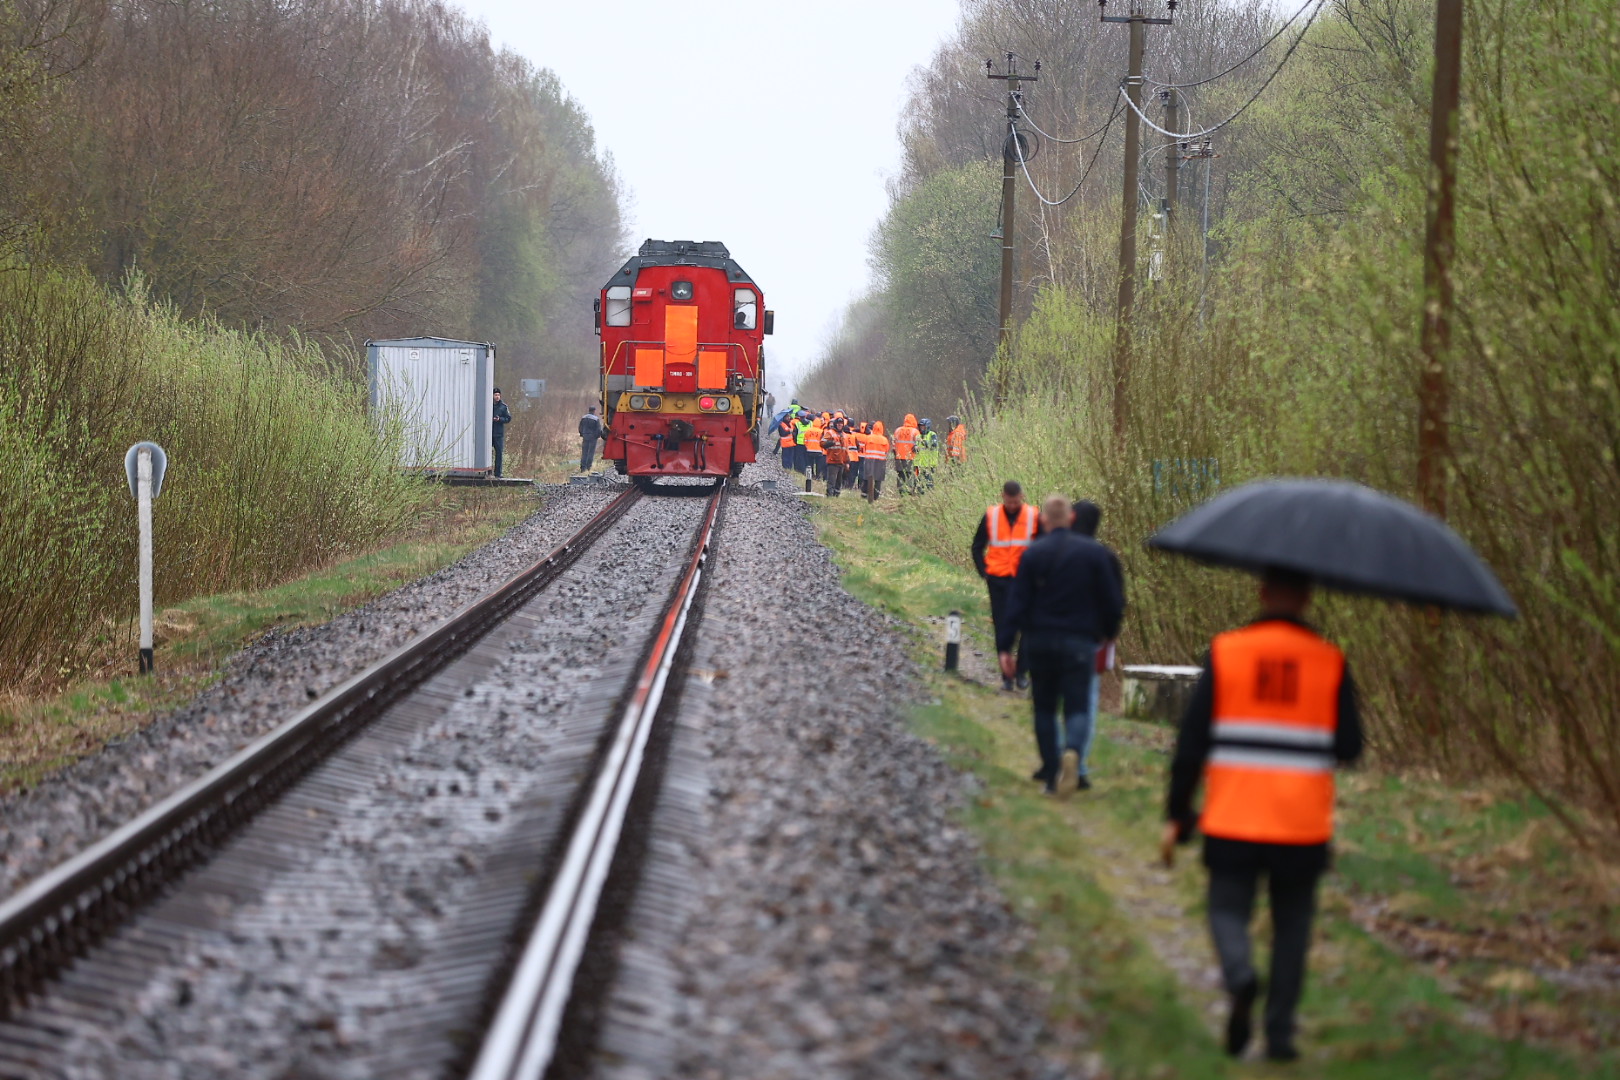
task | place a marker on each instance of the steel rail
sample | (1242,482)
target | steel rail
(64,912)
(522,1037)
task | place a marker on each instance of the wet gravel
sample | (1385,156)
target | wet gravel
(838,922)
(349,932)
(262,686)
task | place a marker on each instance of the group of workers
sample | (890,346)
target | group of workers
(1273,713)
(849,455)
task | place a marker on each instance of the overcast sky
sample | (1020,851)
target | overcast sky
(767,125)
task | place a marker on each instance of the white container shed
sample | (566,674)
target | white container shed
(442,392)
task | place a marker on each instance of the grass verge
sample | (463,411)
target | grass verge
(1461,936)
(41,733)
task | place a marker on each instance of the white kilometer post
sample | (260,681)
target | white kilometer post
(953,640)
(144,465)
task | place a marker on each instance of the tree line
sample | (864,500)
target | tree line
(1285,340)
(341,169)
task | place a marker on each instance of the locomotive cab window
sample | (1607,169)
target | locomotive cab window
(745,305)
(618,306)
(681,290)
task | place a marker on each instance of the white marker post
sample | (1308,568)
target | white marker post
(953,640)
(144,465)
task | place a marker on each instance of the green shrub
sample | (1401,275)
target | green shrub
(274,467)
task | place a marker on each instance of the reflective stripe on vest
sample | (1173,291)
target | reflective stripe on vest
(875,446)
(1269,777)
(905,443)
(1007,544)
(956,444)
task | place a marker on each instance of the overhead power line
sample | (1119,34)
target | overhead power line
(1190,135)
(1281,30)
(1086,172)
(1048,135)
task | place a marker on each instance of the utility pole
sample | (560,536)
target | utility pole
(1010,150)
(1434,436)
(1127,226)
(1172,154)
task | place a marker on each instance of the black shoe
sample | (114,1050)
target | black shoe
(1023,682)
(1082,783)
(1007,684)
(1240,1025)
(1282,1052)
(1038,774)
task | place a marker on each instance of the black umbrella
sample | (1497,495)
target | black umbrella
(1343,535)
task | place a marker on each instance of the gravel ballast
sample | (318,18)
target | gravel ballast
(837,922)
(262,686)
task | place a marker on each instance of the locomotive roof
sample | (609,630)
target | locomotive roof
(706,253)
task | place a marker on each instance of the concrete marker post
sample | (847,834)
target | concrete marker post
(144,466)
(953,640)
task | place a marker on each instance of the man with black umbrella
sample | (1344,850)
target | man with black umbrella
(1272,715)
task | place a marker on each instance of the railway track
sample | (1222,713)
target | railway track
(254,851)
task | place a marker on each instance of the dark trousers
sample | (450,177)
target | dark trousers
(835,476)
(1000,587)
(500,454)
(1059,670)
(1231,908)
(587,453)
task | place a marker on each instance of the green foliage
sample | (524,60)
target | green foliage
(274,466)
(1299,356)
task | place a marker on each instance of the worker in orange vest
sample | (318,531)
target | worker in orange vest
(836,448)
(857,465)
(1005,531)
(955,441)
(1271,717)
(874,461)
(905,454)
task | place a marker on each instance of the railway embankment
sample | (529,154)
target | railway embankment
(1462,932)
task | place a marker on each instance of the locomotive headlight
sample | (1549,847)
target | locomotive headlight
(706,404)
(722,404)
(638,401)
(681,290)
(654,401)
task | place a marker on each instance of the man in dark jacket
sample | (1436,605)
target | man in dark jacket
(997,563)
(503,416)
(1080,729)
(1273,712)
(590,429)
(1064,600)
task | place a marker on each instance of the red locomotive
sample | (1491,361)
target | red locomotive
(683,362)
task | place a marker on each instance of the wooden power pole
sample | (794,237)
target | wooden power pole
(1172,156)
(1434,435)
(1138,23)
(1010,150)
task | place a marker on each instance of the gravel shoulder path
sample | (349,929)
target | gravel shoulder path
(261,686)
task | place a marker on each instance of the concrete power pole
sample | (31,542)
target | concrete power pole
(1138,23)
(1010,150)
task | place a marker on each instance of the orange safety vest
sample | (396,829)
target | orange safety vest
(956,443)
(875,446)
(812,438)
(1007,544)
(832,444)
(789,437)
(905,443)
(1269,778)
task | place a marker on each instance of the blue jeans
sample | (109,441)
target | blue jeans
(1060,668)
(1080,728)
